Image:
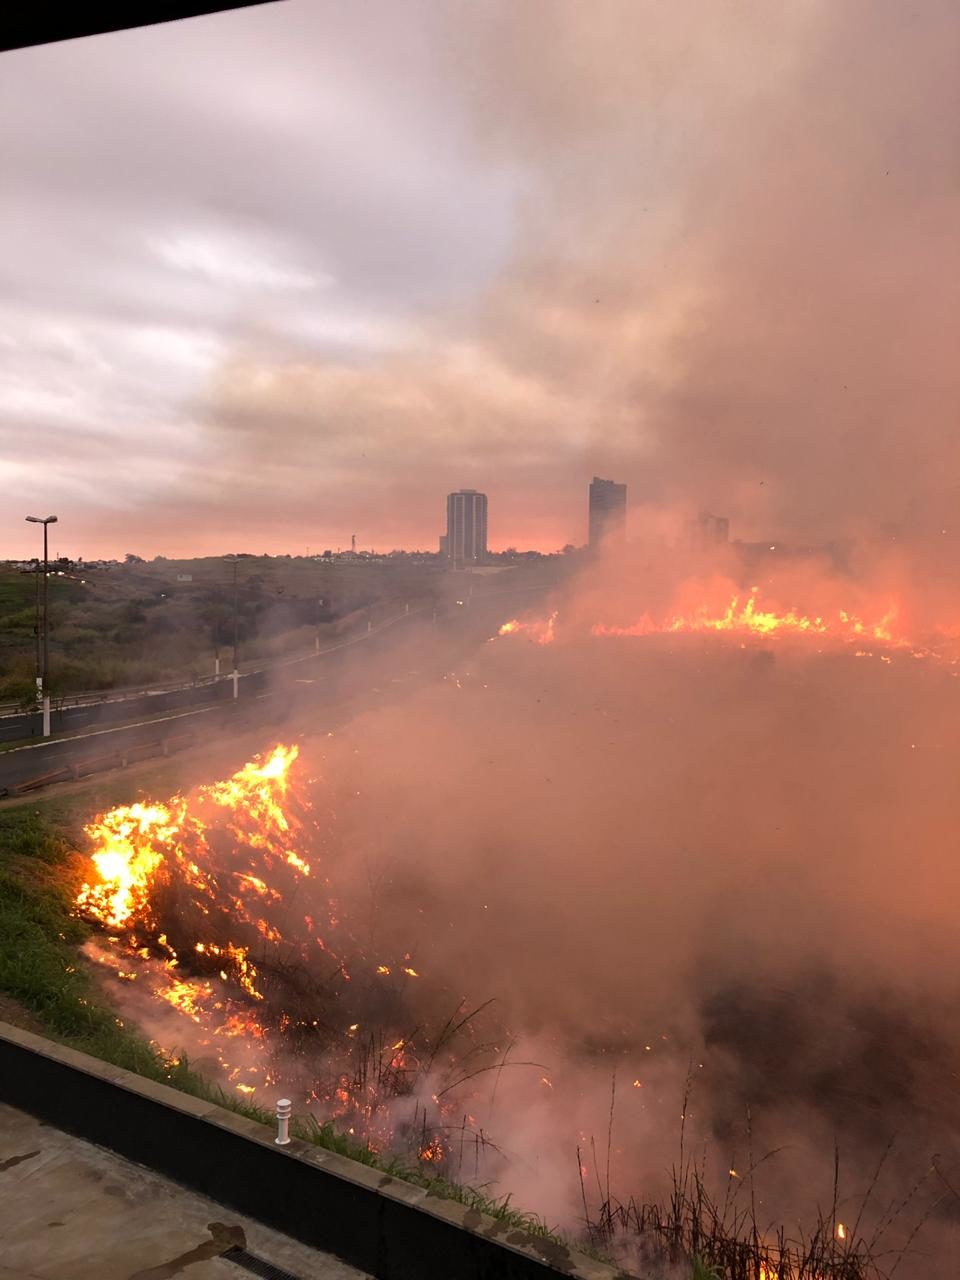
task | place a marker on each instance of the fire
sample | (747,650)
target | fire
(210,900)
(189,996)
(432,1152)
(539,631)
(131,841)
(745,615)
(186,864)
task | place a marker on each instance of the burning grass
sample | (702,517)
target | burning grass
(201,910)
(726,1241)
(218,916)
(712,608)
(729,1236)
(42,968)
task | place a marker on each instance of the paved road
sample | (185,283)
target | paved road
(322,688)
(100,710)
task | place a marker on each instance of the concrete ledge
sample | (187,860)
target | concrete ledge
(382,1225)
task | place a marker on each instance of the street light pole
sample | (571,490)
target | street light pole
(44,651)
(36,617)
(46,614)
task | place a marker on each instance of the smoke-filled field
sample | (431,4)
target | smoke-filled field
(638,904)
(705,875)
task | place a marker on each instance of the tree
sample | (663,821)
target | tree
(130,558)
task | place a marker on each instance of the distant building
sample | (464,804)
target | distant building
(608,511)
(708,531)
(443,544)
(465,542)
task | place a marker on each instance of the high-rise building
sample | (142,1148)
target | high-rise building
(708,531)
(466,539)
(608,511)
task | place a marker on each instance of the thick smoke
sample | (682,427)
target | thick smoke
(734,283)
(784,345)
(684,856)
(710,867)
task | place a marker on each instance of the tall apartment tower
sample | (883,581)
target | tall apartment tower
(466,540)
(708,531)
(608,511)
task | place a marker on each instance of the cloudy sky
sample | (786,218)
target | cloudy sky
(274,277)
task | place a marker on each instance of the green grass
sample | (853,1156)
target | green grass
(702,1272)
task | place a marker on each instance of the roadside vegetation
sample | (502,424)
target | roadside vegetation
(140,623)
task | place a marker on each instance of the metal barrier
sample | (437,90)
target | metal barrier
(116,759)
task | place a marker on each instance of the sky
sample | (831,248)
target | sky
(274,277)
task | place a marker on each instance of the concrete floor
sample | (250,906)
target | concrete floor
(72,1211)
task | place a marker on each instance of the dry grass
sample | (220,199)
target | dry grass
(724,1239)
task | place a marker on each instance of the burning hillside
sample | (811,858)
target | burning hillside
(213,906)
(638,858)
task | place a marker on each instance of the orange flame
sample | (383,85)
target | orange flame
(746,615)
(189,888)
(540,631)
(133,842)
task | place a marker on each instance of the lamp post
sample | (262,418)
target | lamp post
(44,653)
(36,617)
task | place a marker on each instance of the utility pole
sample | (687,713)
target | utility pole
(236,607)
(44,670)
(36,619)
(43,696)
(235,674)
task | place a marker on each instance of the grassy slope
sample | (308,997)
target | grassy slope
(39,940)
(39,970)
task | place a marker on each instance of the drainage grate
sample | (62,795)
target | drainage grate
(257,1266)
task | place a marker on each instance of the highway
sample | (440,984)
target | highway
(318,687)
(113,707)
